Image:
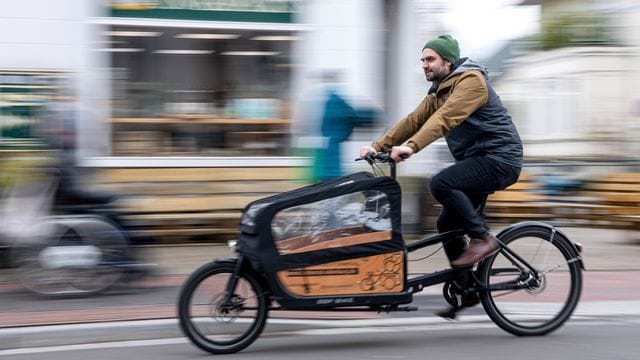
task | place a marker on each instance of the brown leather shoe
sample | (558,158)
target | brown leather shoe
(478,250)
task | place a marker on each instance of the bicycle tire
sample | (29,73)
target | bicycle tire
(210,327)
(107,242)
(542,308)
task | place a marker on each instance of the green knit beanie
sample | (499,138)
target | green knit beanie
(446,46)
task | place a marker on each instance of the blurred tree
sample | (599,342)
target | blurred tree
(575,29)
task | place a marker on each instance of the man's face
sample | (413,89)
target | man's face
(434,66)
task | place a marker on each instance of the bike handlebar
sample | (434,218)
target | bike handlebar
(383,157)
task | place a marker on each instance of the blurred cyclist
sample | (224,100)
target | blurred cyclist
(57,129)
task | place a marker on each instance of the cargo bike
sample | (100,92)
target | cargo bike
(338,245)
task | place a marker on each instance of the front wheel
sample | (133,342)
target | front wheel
(214,324)
(529,302)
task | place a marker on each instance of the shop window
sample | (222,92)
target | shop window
(175,93)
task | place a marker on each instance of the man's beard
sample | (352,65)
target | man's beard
(438,77)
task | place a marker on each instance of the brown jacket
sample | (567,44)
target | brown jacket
(467,112)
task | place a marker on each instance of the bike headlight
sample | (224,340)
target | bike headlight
(233,245)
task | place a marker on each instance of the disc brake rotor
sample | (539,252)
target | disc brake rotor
(226,312)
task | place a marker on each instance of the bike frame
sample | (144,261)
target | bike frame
(391,301)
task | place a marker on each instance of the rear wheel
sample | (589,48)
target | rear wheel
(546,297)
(209,321)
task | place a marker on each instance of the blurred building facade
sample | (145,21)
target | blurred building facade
(47,47)
(214,78)
(210,78)
(218,78)
(211,83)
(157,78)
(576,95)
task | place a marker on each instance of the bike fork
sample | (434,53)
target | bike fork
(233,281)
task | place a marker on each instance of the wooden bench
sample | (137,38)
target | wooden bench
(611,200)
(192,204)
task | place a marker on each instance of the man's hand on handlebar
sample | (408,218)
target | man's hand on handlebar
(364,150)
(397,154)
(401,153)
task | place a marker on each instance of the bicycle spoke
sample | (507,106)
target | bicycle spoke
(557,266)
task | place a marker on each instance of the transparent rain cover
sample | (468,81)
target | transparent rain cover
(325,220)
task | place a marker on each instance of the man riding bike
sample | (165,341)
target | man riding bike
(462,107)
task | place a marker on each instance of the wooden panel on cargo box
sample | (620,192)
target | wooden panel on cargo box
(376,274)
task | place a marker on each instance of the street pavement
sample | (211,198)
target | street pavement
(146,309)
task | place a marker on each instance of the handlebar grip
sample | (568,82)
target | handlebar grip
(384,157)
(370,157)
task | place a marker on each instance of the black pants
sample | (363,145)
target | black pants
(462,191)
